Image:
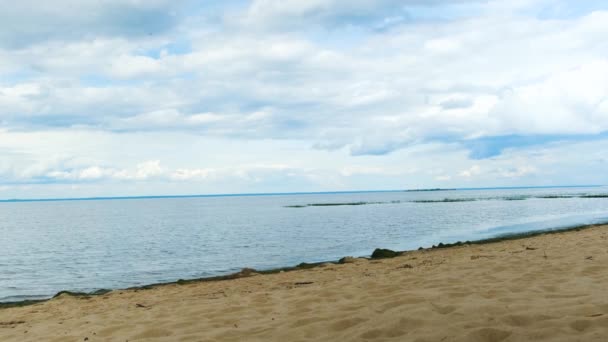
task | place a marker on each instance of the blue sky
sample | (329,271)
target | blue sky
(129,97)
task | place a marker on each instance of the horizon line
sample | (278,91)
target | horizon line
(106,198)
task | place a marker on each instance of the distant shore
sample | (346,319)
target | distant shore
(103,198)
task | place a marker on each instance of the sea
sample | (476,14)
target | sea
(113,243)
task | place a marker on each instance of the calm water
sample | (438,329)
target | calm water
(46,247)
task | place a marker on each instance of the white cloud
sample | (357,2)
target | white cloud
(148,169)
(142,172)
(570,102)
(358,87)
(443,178)
(339,97)
(518,171)
(93,172)
(471,172)
(192,174)
(128,66)
(293,13)
(251,166)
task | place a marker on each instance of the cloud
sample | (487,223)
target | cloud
(58,165)
(29,22)
(293,14)
(344,83)
(375,148)
(90,173)
(471,172)
(128,66)
(443,178)
(148,171)
(192,174)
(456,103)
(568,102)
(332,95)
(79,173)
(518,171)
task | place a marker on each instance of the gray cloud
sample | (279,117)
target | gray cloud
(28,22)
(373,14)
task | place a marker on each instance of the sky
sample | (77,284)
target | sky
(166,97)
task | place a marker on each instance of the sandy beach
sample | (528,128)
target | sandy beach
(551,287)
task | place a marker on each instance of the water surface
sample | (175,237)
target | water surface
(46,247)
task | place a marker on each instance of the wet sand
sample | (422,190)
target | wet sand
(550,287)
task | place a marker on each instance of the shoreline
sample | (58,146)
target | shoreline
(547,286)
(247,272)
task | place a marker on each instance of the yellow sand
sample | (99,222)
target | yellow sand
(551,287)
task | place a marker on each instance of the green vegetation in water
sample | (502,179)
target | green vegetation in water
(513,236)
(428,190)
(595,196)
(336,204)
(446,200)
(82,294)
(21,303)
(306,265)
(554,196)
(573,196)
(339,204)
(515,198)
(448,245)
